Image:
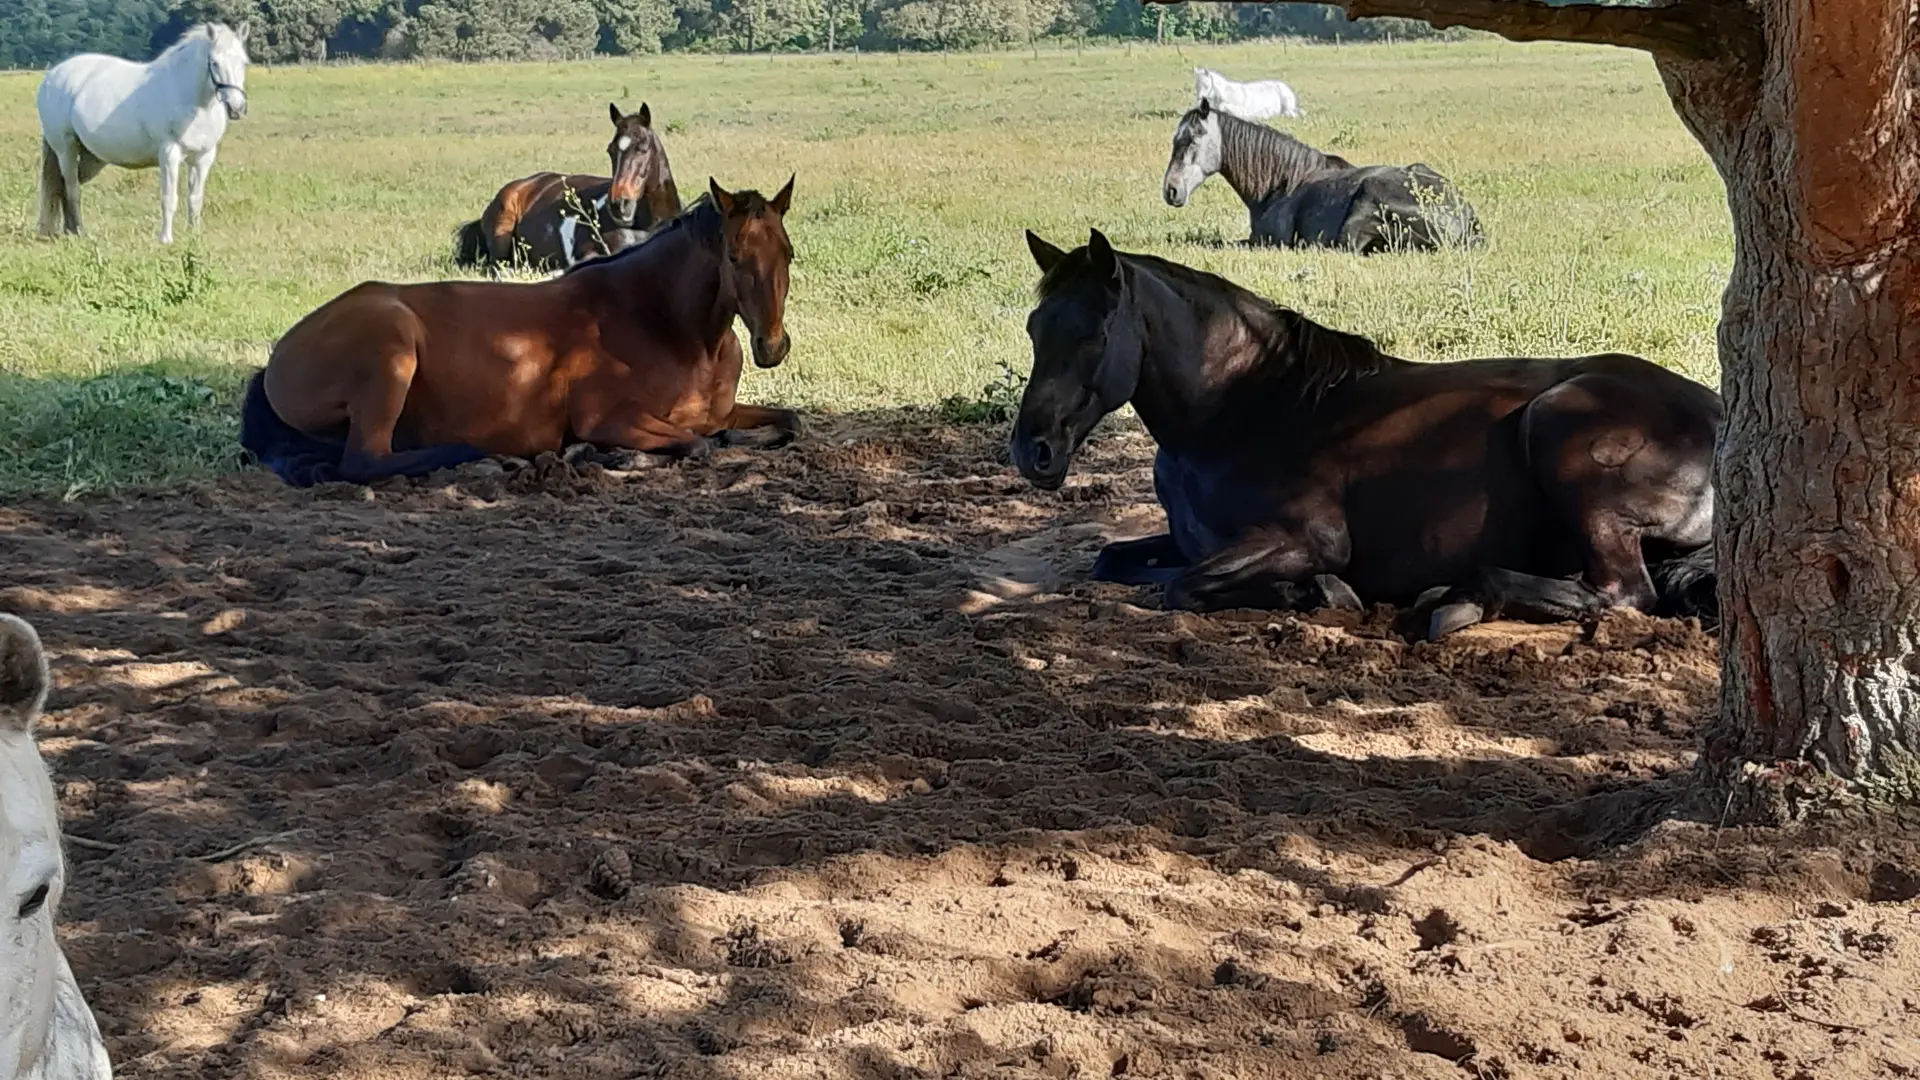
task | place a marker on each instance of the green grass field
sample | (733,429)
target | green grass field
(119,360)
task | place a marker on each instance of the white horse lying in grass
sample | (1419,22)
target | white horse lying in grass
(1248,100)
(46,1030)
(99,110)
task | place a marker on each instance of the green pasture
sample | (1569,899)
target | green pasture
(119,359)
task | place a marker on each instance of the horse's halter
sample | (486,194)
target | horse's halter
(220,88)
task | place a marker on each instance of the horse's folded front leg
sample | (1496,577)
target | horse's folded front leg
(759,428)
(1150,560)
(1262,571)
(1493,593)
(632,429)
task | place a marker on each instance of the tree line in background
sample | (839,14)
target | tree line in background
(36,33)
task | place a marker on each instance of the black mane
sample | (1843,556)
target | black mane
(1309,358)
(1263,159)
(701,216)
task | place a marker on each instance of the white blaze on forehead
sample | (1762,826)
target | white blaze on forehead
(624,143)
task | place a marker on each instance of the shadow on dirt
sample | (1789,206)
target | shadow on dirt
(820,762)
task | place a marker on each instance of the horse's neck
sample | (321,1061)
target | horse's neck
(667,193)
(184,70)
(679,277)
(1259,166)
(1196,353)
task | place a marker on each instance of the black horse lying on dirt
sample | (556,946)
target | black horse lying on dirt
(1296,458)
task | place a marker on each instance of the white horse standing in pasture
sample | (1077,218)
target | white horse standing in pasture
(1247,100)
(46,1030)
(100,110)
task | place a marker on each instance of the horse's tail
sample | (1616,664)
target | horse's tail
(53,191)
(304,460)
(470,245)
(300,459)
(1686,587)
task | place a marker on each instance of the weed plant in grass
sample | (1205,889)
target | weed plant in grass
(916,175)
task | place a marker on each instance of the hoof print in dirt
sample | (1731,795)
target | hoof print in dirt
(1892,884)
(747,949)
(1425,1037)
(611,876)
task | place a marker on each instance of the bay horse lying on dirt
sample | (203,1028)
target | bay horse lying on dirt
(538,220)
(1290,451)
(635,351)
(1297,196)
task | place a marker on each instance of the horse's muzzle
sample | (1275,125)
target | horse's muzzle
(236,104)
(1174,198)
(623,211)
(1040,461)
(769,354)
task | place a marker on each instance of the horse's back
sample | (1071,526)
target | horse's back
(544,188)
(85,74)
(98,100)
(1440,460)
(1407,206)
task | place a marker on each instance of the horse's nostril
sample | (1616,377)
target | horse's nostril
(1042,455)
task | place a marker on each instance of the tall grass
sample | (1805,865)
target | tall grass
(916,175)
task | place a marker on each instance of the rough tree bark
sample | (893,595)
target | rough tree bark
(1807,109)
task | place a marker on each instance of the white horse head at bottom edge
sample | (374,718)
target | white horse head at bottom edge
(46,1030)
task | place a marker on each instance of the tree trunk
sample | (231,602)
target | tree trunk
(1819,534)
(1818,473)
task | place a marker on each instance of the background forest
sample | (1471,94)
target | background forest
(35,33)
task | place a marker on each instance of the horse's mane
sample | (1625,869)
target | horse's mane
(1299,357)
(197,32)
(700,216)
(1267,159)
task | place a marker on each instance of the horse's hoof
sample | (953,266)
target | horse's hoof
(1179,597)
(1335,593)
(1452,617)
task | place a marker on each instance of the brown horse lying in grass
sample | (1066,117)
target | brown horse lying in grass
(1294,457)
(635,350)
(551,220)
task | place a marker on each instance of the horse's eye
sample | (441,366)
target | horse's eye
(32,904)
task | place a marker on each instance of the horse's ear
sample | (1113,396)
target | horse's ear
(1102,254)
(1206,107)
(23,675)
(244,28)
(783,198)
(614,111)
(646,115)
(722,199)
(1045,255)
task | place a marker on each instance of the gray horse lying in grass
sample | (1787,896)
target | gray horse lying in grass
(1297,196)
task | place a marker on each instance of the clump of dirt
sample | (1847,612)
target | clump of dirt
(827,762)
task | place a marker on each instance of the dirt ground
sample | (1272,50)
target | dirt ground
(826,763)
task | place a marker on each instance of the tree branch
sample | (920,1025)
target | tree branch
(1683,29)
